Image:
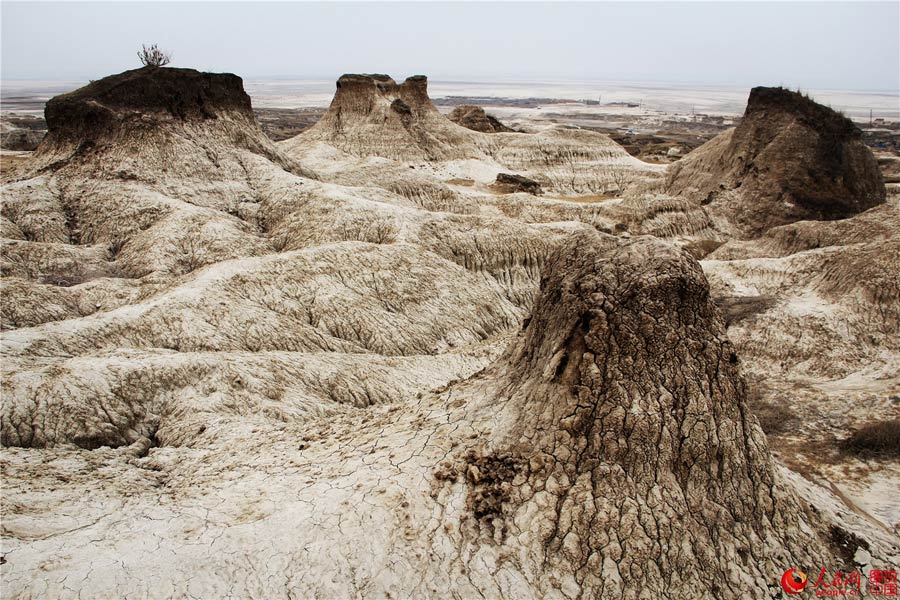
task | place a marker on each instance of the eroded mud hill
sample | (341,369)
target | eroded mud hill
(182,93)
(346,365)
(373,116)
(585,460)
(789,159)
(623,455)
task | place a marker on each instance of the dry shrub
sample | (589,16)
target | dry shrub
(154,56)
(189,254)
(877,439)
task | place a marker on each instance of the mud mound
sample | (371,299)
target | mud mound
(789,159)
(145,166)
(625,384)
(89,112)
(474,118)
(372,115)
(357,94)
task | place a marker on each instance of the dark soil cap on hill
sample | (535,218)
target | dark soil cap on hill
(180,93)
(766,99)
(789,159)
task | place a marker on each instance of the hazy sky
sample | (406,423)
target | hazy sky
(838,45)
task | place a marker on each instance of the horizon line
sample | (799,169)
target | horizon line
(501,80)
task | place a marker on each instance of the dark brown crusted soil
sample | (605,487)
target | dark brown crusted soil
(474,118)
(789,159)
(841,176)
(508,183)
(180,93)
(764,100)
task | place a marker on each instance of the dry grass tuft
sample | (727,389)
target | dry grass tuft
(879,439)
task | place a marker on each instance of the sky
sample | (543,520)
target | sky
(823,45)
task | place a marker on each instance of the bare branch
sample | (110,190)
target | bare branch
(154,56)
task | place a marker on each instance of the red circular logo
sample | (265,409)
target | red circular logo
(793,581)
